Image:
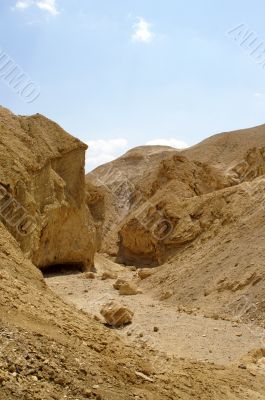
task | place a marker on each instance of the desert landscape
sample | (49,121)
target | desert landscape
(142,279)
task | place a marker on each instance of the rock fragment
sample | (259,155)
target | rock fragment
(109,275)
(116,314)
(118,283)
(145,273)
(89,275)
(128,289)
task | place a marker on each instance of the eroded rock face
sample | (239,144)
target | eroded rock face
(141,242)
(129,183)
(184,196)
(132,185)
(250,167)
(42,196)
(190,220)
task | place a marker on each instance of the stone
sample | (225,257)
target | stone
(118,283)
(88,393)
(89,275)
(128,289)
(261,361)
(145,273)
(143,376)
(166,295)
(116,314)
(109,275)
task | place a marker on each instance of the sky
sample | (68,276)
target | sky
(124,73)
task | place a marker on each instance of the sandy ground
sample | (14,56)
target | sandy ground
(179,334)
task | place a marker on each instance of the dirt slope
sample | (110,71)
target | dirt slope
(222,271)
(227,148)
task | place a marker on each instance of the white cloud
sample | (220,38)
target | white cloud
(46,5)
(179,144)
(23,4)
(142,31)
(102,151)
(258,94)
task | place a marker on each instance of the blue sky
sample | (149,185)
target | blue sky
(123,73)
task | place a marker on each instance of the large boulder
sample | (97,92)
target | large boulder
(42,191)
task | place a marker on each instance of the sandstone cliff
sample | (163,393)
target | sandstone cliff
(42,191)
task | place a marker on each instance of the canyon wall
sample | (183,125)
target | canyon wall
(42,184)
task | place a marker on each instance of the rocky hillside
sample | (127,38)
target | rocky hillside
(228,149)
(49,349)
(129,183)
(215,254)
(198,214)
